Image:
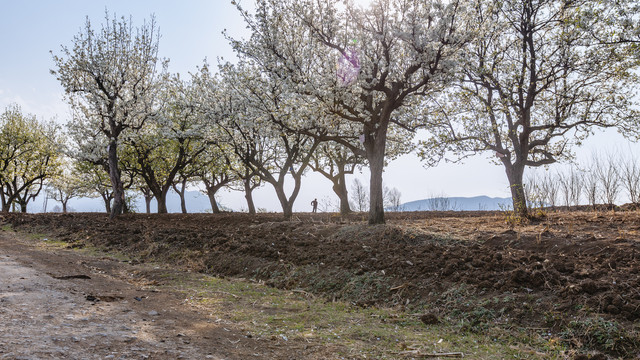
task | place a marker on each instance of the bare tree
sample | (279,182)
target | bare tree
(570,186)
(359,195)
(609,178)
(630,177)
(533,190)
(394,199)
(576,186)
(441,202)
(591,185)
(551,188)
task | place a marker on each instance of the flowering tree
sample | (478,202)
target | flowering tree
(96,180)
(169,142)
(334,162)
(29,155)
(215,171)
(368,67)
(533,84)
(67,185)
(109,77)
(255,107)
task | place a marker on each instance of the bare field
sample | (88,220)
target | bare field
(570,282)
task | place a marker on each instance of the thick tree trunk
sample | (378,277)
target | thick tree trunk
(161,200)
(340,188)
(5,205)
(23,207)
(376,201)
(287,206)
(64,207)
(248,195)
(375,146)
(515,174)
(116,180)
(147,203)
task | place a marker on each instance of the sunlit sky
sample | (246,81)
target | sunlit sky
(191,30)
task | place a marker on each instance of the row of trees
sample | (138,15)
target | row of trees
(331,87)
(523,79)
(601,181)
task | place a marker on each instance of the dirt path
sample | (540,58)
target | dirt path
(57,303)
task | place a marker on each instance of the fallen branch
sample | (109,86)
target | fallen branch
(399,287)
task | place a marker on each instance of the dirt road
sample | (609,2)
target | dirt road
(59,304)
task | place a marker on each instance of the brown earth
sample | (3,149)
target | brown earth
(574,276)
(61,304)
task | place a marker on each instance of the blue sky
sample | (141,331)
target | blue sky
(190,32)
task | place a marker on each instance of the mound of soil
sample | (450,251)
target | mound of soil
(572,274)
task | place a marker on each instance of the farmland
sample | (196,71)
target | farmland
(563,286)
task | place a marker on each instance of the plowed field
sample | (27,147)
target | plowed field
(573,275)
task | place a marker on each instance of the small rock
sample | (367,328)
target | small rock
(153,313)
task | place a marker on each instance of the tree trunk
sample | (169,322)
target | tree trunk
(287,206)
(161,200)
(376,201)
(107,202)
(515,174)
(211,193)
(147,202)
(375,146)
(64,207)
(248,195)
(23,207)
(340,188)
(183,204)
(5,205)
(125,206)
(116,180)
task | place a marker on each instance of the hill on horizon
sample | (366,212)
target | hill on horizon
(197,202)
(475,203)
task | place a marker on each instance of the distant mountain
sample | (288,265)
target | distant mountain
(458,204)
